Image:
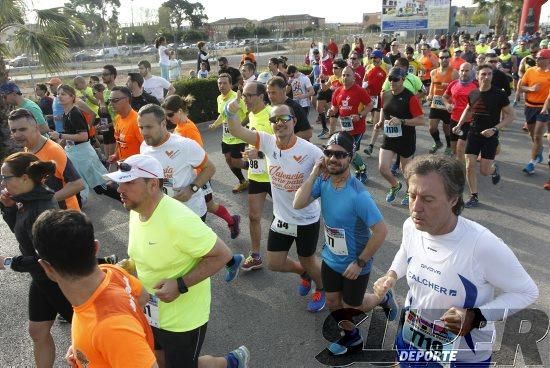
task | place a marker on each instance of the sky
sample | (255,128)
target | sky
(244,9)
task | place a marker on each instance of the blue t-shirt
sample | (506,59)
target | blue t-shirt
(348,213)
(58,113)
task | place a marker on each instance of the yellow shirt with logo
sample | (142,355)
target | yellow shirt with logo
(257,169)
(87,95)
(222,100)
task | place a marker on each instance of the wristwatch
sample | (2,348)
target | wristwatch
(361,263)
(479,319)
(182,288)
(402,121)
(194,188)
(495,129)
(7,263)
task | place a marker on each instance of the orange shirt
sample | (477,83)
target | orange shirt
(127,135)
(189,130)
(534,76)
(110,328)
(63,173)
(440,81)
(428,63)
(456,62)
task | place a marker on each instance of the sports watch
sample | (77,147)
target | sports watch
(182,288)
(7,263)
(361,263)
(194,188)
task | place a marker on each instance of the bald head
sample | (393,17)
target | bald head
(348,75)
(465,72)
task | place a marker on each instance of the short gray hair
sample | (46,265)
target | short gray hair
(451,171)
(156,110)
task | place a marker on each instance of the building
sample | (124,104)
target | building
(292,23)
(222,26)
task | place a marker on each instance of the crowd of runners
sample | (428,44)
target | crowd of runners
(136,144)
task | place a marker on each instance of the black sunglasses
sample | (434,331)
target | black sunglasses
(124,167)
(394,79)
(443,57)
(338,154)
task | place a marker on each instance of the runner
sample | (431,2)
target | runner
(324,94)
(66,182)
(127,134)
(301,88)
(289,160)
(331,85)
(232,148)
(258,176)
(107,301)
(176,110)
(11,94)
(456,100)
(358,68)
(139,98)
(374,79)
(354,231)
(401,113)
(106,111)
(546,110)
(440,79)
(352,103)
(174,253)
(235,74)
(21,202)
(154,85)
(429,62)
(485,108)
(536,85)
(453,266)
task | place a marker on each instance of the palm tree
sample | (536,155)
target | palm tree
(48,39)
(505,12)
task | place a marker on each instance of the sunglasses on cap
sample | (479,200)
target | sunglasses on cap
(124,167)
(280,118)
(338,154)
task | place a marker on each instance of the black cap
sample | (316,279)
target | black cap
(344,140)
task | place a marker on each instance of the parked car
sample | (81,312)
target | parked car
(22,60)
(111,52)
(84,55)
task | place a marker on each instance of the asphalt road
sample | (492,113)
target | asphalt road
(261,309)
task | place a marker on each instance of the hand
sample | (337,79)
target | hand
(128,265)
(233,106)
(488,133)
(352,271)
(183,194)
(450,107)
(167,290)
(382,285)
(394,121)
(112,159)
(320,168)
(457,129)
(70,358)
(429,97)
(355,117)
(535,87)
(53,135)
(250,154)
(458,320)
(2,263)
(544,110)
(6,199)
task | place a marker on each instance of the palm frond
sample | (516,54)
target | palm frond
(11,11)
(59,21)
(4,50)
(51,49)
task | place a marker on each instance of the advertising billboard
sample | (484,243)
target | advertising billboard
(410,15)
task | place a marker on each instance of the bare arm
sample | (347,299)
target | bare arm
(418,121)
(379,232)
(305,134)
(303,197)
(171,90)
(69,189)
(211,263)
(466,115)
(508,115)
(207,172)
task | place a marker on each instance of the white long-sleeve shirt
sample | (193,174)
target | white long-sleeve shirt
(462,269)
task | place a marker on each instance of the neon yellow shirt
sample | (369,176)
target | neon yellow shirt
(222,100)
(86,96)
(167,246)
(257,169)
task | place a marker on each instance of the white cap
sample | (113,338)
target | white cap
(264,77)
(139,166)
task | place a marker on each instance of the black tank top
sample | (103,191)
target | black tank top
(398,106)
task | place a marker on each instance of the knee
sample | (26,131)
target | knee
(486,171)
(273,264)
(333,303)
(39,332)
(254,217)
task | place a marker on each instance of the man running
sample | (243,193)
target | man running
(352,103)
(440,79)
(452,266)
(354,231)
(108,326)
(154,85)
(12,96)
(400,115)
(485,108)
(127,134)
(139,98)
(174,253)
(290,160)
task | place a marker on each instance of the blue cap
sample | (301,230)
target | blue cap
(377,54)
(9,87)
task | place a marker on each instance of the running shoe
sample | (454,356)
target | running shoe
(239,356)
(252,263)
(394,169)
(529,169)
(240,187)
(323,134)
(515,103)
(362,176)
(389,304)
(538,158)
(233,271)
(472,202)
(317,302)
(369,149)
(62,319)
(547,185)
(235,228)
(495,177)
(392,192)
(112,259)
(405,200)
(350,342)
(448,151)
(435,147)
(305,286)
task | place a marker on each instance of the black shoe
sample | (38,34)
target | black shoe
(495,177)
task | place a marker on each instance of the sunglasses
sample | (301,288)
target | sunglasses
(124,167)
(280,118)
(338,154)
(6,177)
(336,67)
(353,58)
(170,114)
(115,100)
(249,95)
(443,57)
(394,79)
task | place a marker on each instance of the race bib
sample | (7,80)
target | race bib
(347,123)
(335,240)
(374,100)
(281,227)
(207,188)
(226,133)
(437,103)
(392,131)
(151,311)
(426,335)
(168,187)
(257,166)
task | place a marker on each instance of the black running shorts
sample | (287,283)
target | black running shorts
(352,291)
(306,241)
(181,349)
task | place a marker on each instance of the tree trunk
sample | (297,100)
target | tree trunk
(6,144)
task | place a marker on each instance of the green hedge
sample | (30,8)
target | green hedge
(205,92)
(304,69)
